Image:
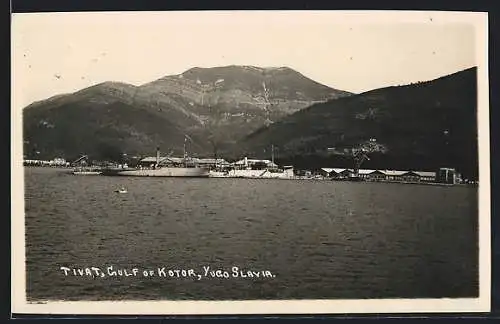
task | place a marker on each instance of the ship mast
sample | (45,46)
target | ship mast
(215,157)
(157,156)
(185,139)
(272,154)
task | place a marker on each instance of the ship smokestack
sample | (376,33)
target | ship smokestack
(157,156)
(246,161)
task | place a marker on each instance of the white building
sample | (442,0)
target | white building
(251,163)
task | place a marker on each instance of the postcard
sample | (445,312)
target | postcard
(250,162)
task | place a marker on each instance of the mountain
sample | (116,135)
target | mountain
(233,85)
(214,106)
(418,126)
(232,101)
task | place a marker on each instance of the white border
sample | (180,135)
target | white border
(481,304)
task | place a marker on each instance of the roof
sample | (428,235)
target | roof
(336,170)
(425,173)
(386,172)
(366,171)
(394,172)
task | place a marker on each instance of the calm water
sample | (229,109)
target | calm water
(317,239)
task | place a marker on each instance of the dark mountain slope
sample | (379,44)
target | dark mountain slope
(423,125)
(100,131)
(105,117)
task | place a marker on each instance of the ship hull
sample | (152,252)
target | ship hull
(259,174)
(218,174)
(86,172)
(162,172)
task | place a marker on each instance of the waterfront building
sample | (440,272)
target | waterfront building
(394,175)
(255,164)
(382,175)
(36,163)
(340,173)
(447,175)
(366,174)
(58,161)
(426,176)
(327,172)
(335,173)
(409,176)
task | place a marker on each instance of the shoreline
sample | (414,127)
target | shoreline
(68,170)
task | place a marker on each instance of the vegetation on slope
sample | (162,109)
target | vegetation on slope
(419,126)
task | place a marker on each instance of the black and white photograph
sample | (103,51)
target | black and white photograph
(250,162)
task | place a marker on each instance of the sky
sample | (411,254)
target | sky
(54,53)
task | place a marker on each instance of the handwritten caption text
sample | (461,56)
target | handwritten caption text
(165,272)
